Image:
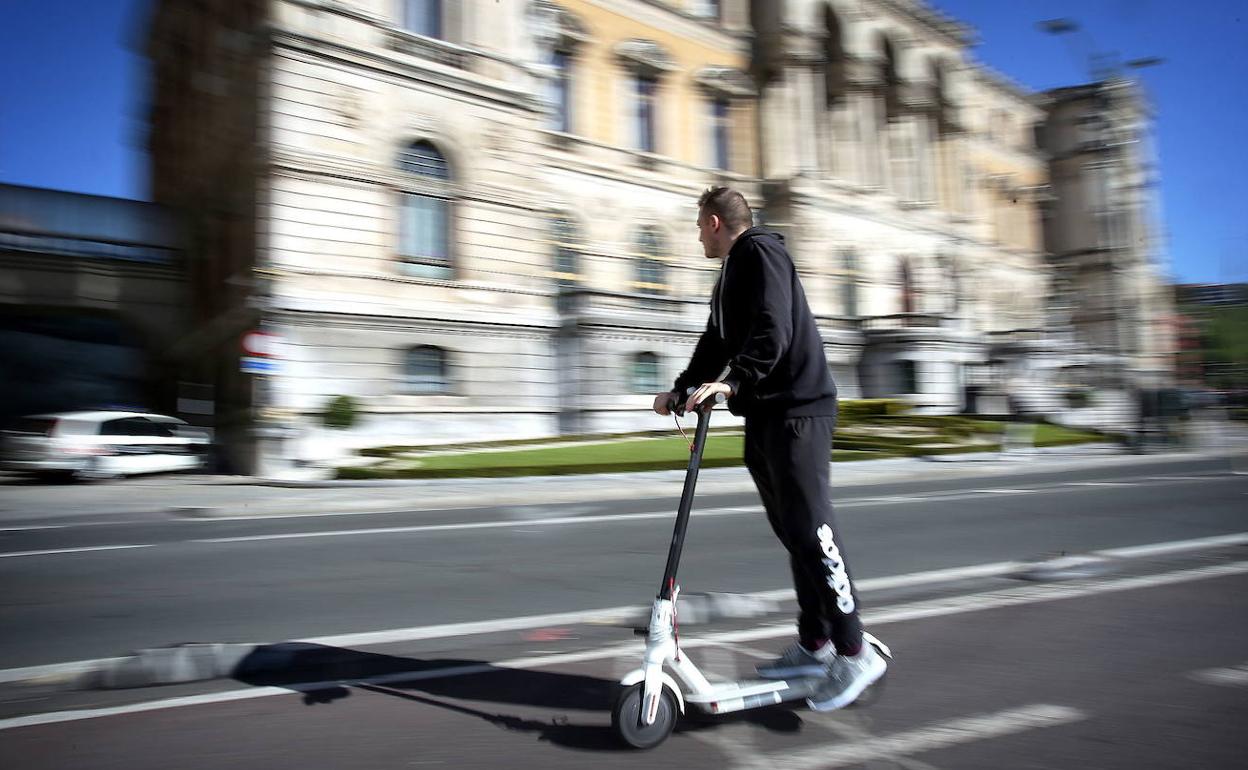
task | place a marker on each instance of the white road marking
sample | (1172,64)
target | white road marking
(499,524)
(28,529)
(638,613)
(1235,676)
(937,736)
(518,523)
(1099,484)
(1175,546)
(137,708)
(1030,594)
(905,612)
(57,551)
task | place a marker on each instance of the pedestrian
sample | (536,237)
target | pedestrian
(762,349)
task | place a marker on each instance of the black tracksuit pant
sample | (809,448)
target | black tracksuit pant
(788,458)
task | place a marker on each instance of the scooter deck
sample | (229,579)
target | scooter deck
(738,696)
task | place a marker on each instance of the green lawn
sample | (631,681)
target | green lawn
(645,454)
(1056,435)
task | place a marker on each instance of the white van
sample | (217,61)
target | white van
(101,445)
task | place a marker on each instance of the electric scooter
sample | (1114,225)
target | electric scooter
(651,700)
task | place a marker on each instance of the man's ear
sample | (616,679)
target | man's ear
(714,221)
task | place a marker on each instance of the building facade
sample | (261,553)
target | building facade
(92,303)
(1102,228)
(476,218)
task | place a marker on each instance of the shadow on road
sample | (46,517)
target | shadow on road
(326,674)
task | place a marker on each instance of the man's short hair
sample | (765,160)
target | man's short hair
(727,204)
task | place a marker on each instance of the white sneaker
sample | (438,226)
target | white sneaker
(848,677)
(797,661)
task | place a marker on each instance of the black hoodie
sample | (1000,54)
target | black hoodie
(762,329)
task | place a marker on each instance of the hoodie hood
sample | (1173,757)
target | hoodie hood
(753,233)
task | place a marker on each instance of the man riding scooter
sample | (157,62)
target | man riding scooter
(762,331)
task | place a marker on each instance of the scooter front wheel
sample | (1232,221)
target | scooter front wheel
(626,718)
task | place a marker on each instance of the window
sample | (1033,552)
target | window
(907,377)
(707,9)
(567,259)
(645,376)
(156,429)
(720,132)
(561,91)
(646,86)
(121,427)
(424,218)
(949,269)
(904,159)
(651,272)
(424,17)
(849,283)
(424,371)
(906,279)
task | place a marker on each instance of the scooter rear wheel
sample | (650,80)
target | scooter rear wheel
(626,718)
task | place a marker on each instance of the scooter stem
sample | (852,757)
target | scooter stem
(686,503)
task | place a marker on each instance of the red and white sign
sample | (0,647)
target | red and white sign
(262,344)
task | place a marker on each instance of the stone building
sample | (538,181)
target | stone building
(477,218)
(1102,230)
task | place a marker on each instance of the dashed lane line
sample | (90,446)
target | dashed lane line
(1234,676)
(906,612)
(941,735)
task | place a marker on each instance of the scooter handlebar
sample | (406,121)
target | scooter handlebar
(676,404)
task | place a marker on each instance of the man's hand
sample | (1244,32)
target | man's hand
(705,391)
(663,403)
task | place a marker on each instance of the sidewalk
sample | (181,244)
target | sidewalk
(223,496)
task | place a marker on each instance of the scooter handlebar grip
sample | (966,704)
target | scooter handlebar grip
(677,405)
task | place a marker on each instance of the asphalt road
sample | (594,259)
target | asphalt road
(101,590)
(1136,659)
(1141,668)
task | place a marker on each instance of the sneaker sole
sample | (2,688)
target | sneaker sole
(851,693)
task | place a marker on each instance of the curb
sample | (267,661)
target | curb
(292,662)
(521,491)
(178,664)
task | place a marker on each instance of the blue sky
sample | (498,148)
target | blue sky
(71,100)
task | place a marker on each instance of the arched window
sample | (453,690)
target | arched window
(645,376)
(425,371)
(651,272)
(425,212)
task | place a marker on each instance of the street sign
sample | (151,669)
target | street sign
(262,344)
(257,365)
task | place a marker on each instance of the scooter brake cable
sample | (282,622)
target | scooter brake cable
(684,435)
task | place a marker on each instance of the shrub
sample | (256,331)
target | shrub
(872,407)
(1077,398)
(340,412)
